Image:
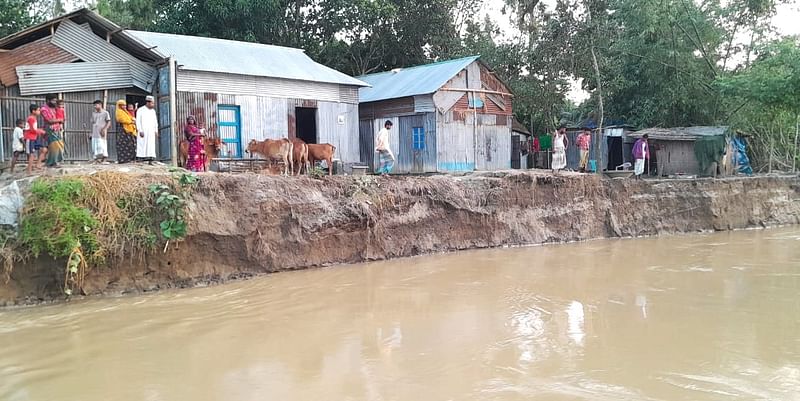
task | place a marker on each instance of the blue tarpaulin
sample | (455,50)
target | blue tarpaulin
(740,156)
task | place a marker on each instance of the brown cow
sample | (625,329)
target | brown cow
(213,146)
(322,151)
(274,149)
(300,154)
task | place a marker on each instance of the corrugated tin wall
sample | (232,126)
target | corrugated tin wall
(455,144)
(337,124)
(409,159)
(210,82)
(348,94)
(268,117)
(73,77)
(424,104)
(457,140)
(91,48)
(493,150)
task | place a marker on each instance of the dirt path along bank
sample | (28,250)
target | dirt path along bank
(244,225)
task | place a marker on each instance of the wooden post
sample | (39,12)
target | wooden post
(173,111)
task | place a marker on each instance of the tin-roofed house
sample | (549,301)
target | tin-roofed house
(692,151)
(239,91)
(247,91)
(450,116)
(82,57)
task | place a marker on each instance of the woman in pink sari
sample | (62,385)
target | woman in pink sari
(197,154)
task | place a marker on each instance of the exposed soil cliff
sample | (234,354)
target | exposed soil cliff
(242,225)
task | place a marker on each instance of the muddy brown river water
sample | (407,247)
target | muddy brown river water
(697,317)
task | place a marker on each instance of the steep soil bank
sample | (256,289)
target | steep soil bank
(244,225)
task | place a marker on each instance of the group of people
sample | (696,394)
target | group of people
(561,143)
(41,145)
(137,141)
(46,144)
(641,151)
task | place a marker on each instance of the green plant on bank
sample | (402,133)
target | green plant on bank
(87,220)
(317,172)
(57,224)
(171,202)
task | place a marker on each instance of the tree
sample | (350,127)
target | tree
(16,15)
(771,89)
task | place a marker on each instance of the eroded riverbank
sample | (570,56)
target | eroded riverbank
(244,225)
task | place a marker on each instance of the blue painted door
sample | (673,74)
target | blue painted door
(229,125)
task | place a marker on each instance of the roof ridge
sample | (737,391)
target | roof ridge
(424,65)
(212,39)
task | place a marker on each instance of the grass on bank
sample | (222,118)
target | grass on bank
(87,221)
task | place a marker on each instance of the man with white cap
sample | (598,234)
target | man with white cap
(147,123)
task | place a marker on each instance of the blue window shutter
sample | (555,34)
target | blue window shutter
(418,138)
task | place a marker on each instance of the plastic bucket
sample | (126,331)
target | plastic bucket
(593,165)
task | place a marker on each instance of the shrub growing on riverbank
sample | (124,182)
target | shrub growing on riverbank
(88,220)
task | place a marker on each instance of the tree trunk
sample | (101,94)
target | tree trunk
(796,135)
(599,137)
(771,151)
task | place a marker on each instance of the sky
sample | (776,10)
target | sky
(787,22)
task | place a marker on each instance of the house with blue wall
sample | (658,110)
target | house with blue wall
(449,116)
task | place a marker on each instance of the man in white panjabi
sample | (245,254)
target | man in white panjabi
(147,124)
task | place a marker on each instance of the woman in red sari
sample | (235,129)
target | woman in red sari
(197,153)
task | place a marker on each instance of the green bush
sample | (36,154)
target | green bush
(54,223)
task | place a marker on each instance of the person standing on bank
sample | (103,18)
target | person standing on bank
(126,138)
(147,124)
(33,139)
(18,142)
(560,143)
(583,142)
(101,121)
(54,131)
(641,154)
(385,155)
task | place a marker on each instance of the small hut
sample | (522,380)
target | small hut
(449,116)
(521,156)
(685,150)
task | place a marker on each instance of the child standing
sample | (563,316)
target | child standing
(33,135)
(18,143)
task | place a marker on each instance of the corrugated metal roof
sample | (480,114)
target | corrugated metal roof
(37,52)
(91,48)
(228,56)
(681,133)
(412,81)
(73,77)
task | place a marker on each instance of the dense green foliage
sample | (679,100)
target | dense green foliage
(645,63)
(54,222)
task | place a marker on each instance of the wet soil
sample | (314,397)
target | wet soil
(247,224)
